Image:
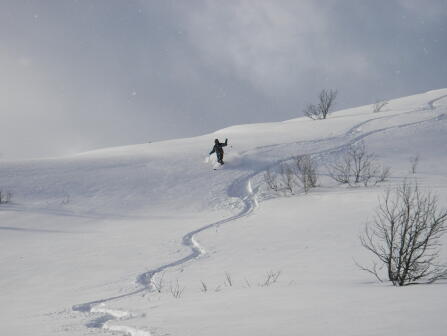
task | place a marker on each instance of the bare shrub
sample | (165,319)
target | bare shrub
(357,165)
(176,290)
(379,105)
(286,175)
(66,199)
(5,197)
(383,175)
(374,173)
(361,161)
(306,171)
(326,100)
(271,277)
(228,279)
(158,282)
(414,162)
(340,170)
(405,236)
(204,287)
(368,174)
(271,180)
(302,172)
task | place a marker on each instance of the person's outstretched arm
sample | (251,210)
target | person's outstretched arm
(214,149)
(225,143)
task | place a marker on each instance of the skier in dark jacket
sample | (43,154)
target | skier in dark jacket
(218,150)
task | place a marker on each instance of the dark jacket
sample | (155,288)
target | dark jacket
(218,146)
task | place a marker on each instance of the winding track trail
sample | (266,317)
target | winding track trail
(240,188)
(248,198)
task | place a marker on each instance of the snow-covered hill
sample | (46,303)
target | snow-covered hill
(86,236)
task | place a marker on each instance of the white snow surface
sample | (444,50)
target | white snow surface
(88,238)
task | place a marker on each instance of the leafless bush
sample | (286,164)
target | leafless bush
(302,172)
(405,236)
(379,105)
(158,282)
(384,173)
(356,165)
(325,103)
(204,287)
(66,199)
(270,278)
(361,161)
(228,280)
(271,180)
(306,171)
(340,170)
(414,161)
(176,290)
(286,175)
(374,173)
(5,197)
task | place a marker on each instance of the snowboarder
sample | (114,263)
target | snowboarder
(218,150)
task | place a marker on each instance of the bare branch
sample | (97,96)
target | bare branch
(379,105)
(405,236)
(326,100)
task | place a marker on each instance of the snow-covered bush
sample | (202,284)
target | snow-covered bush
(356,165)
(405,236)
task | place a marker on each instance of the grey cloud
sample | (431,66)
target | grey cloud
(77,75)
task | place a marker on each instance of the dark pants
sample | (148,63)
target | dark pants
(220,156)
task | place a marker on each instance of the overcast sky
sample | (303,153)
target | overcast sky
(85,74)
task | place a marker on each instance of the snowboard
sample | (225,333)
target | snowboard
(217,166)
(213,161)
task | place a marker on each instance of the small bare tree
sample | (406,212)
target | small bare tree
(414,161)
(271,277)
(286,174)
(5,197)
(405,236)
(306,171)
(204,287)
(271,180)
(322,109)
(357,165)
(228,280)
(384,173)
(379,105)
(176,290)
(340,170)
(361,161)
(158,282)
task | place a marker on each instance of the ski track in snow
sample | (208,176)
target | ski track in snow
(145,279)
(241,188)
(350,134)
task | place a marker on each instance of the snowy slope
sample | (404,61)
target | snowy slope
(86,234)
